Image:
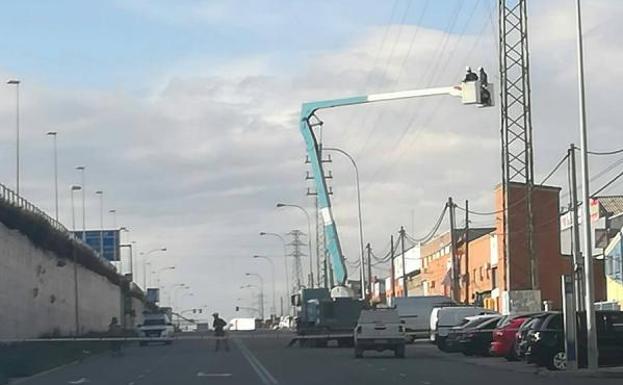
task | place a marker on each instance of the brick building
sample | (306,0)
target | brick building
(484,277)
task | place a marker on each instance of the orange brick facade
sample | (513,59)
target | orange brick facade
(483,273)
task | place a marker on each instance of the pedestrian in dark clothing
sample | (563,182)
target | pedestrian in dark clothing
(484,78)
(485,96)
(219,332)
(115,331)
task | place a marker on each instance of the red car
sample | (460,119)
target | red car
(504,337)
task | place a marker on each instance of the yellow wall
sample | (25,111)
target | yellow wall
(615,290)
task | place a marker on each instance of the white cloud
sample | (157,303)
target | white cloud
(199,162)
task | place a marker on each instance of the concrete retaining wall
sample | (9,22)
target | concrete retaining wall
(37,292)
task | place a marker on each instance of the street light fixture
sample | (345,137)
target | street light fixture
(16,83)
(272,268)
(261,291)
(101,195)
(160,271)
(145,255)
(285,259)
(53,134)
(113,212)
(82,170)
(361,259)
(311,265)
(73,211)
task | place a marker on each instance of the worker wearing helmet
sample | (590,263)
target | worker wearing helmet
(470,76)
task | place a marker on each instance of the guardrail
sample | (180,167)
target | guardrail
(11,197)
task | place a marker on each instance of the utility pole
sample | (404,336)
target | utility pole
(296,254)
(455,270)
(591,331)
(404,266)
(393,269)
(369,250)
(577,254)
(320,238)
(466,239)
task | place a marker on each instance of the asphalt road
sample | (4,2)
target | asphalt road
(265,360)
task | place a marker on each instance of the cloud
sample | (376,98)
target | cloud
(198,162)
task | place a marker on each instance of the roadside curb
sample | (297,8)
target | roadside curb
(583,373)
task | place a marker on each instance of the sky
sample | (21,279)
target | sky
(185,115)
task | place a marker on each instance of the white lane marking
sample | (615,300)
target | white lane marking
(202,374)
(261,371)
(140,376)
(425,382)
(131,383)
(82,380)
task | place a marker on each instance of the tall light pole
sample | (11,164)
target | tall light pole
(101,195)
(160,271)
(176,291)
(75,262)
(82,170)
(53,134)
(591,331)
(311,264)
(362,257)
(261,291)
(145,256)
(16,83)
(285,259)
(113,212)
(272,271)
(73,210)
(260,308)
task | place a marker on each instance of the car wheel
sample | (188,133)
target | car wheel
(558,361)
(441,344)
(399,351)
(358,352)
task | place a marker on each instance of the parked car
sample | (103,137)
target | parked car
(455,334)
(416,311)
(444,318)
(476,340)
(379,329)
(520,344)
(546,344)
(504,335)
(156,325)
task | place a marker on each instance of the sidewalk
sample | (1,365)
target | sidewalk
(606,372)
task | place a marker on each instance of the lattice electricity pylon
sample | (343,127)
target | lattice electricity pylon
(516,120)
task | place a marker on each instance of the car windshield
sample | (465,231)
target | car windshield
(266,192)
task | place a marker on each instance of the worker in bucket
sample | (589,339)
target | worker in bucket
(219,332)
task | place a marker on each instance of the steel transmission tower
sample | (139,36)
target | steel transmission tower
(516,121)
(296,254)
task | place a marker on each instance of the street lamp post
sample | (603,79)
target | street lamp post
(175,293)
(82,169)
(53,134)
(75,263)
(73,210)
(160,271)
(261,291)
(589,290)
(311,264)
(260,309)
(272,271)
(113,212)
(145,256)
(16,83)
(285,259)
(101,195)
(361,258)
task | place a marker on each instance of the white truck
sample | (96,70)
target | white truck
(415,312)
(156,327)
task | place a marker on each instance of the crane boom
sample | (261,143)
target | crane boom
(470,92)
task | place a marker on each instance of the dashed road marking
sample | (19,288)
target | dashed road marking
(202,374)
(82,380)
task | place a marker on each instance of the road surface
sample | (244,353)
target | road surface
(265,360)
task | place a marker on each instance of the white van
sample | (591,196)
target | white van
(415,312)
(379,329)
(442,319)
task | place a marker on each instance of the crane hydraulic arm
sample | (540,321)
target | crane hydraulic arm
(472,92)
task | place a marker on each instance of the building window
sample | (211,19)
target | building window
(432,284)
(481,277)
(474,276)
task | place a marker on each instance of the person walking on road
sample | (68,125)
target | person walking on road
(219,332)
(115,331)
